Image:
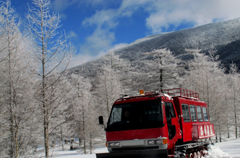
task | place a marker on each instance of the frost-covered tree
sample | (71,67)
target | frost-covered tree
(109,78)
(206,77)
(234,82)
(84,112)
(162,69)
(52,54)
(60,94)
(82,105)
(16,85)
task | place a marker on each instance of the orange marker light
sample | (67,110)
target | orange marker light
(141,92)
(164,141)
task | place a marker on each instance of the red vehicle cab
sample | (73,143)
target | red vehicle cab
(157,121)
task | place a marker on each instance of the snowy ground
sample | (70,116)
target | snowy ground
(228,149)
(231,147)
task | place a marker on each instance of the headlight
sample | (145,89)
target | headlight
(155,142)
(114,144)
(151,142)
(158,141)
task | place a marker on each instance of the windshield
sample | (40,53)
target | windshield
(136,115)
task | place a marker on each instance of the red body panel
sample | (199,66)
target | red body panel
(201,131)
(137,134)
(187,132)
(193,130)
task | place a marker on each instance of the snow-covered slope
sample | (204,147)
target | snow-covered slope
(224,37)
(231,147)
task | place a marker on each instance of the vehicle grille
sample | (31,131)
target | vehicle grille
(134,148)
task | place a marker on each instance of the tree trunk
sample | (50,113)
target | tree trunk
(45,108)
(79,140)
(16,144)
(79,136)
(46,136)
(208,98)
(161,80)
(220,134)
(216,137)
(84,136)
(11,152)
(107,97)
(235,110)
(62,139)
(90,143)
(160,73)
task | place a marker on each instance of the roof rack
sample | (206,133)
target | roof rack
(152,92)
(180,92)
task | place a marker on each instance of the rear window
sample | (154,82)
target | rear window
(185,111)
(199,113)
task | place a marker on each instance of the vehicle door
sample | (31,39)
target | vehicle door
(172,122)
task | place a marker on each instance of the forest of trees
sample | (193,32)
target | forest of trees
(41,104)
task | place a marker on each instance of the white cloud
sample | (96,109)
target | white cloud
(72,34)
(118,46)
(162,14)
(79,59)
(95,2)
(100,40)
(61,5)
(102,18)
(165,13)
(105,21)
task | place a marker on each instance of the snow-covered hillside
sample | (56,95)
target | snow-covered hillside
(228,149)
(224,37)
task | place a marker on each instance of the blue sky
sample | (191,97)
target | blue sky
(96,26)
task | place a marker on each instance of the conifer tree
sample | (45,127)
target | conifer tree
(16,90)
(52,54)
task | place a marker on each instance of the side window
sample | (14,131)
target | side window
(170,113)
(193,113)
(116,115)
(185,111)
(199,113)
(205,114)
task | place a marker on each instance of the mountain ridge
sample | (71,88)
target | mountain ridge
(222,37)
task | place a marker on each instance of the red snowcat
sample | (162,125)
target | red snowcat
(173,123)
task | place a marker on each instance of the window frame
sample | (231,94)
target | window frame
(132,124)
(183,113)
(198,112)
(193,107)
(205,113)
(170,104)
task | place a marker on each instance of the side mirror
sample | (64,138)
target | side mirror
(100,119)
